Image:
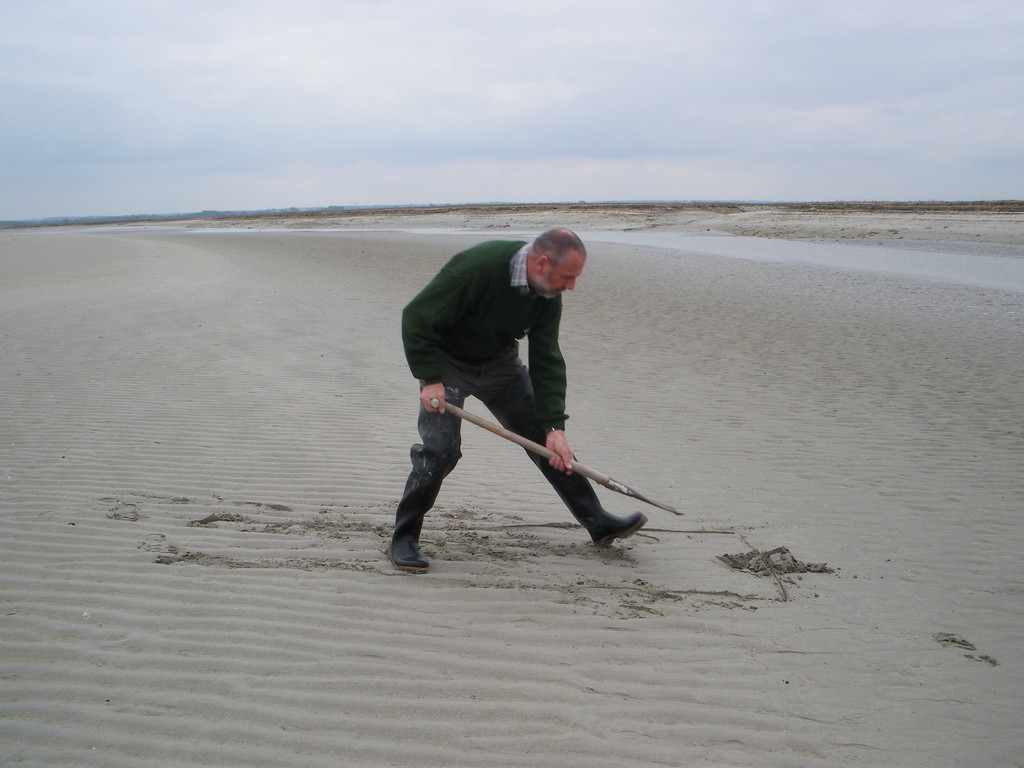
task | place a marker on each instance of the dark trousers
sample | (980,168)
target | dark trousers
(505,388)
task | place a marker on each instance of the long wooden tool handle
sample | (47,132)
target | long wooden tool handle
(540,450)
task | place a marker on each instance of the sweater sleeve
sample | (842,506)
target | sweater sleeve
(547,367)
(436,308)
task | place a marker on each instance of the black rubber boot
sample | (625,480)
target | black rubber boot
(419,496)
(432,461)
(406,556)
(578,495)
(516,411)
(612,527)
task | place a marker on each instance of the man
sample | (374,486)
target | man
(461,335)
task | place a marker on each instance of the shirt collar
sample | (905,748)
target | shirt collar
(517,272)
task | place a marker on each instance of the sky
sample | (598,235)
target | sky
(114,107)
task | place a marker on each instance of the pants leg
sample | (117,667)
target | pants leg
(516,411)
(432,461)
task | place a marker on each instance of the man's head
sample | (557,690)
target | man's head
(555,260)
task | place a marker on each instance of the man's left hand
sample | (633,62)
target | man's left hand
(556,442)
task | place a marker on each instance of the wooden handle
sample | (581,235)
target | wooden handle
(540,450)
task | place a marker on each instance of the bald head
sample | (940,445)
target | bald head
(554,262)
(556,244)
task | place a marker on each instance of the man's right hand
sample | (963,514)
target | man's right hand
(433,392)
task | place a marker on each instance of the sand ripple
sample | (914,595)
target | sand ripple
(204,435)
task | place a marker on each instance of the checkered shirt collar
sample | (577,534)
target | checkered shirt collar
(517,272)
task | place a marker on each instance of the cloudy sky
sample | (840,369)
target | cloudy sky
(120,106)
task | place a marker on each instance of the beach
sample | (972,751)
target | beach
(205,430)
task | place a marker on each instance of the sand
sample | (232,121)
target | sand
(204,433)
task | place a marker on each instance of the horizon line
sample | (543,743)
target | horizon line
(228,213)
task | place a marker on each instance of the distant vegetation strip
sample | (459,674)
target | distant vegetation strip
(718,206)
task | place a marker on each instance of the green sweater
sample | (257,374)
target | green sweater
(471,311)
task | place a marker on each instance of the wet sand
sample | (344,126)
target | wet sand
(205,434)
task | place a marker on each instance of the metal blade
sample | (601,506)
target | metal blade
(615,485)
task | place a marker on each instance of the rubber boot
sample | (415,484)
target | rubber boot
(603,526)
(579,496)
(516,411)
(406,556)
(432,462)
(419,497)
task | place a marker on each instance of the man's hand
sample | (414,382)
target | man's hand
(433,392)
(556,442)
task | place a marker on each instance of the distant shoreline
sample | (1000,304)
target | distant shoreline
(497,209)
(998,223)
